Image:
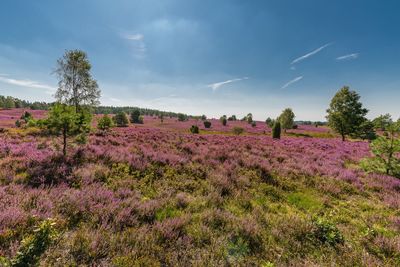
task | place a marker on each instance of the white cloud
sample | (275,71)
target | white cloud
(295,80)
(310,54)
(348,57)
(137,43)
(27,84)
(215,86)
(134,37)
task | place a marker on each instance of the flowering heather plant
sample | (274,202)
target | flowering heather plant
(155,194)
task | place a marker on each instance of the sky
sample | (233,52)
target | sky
(209,57)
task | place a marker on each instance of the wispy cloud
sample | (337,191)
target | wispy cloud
(137,42)
(348,57)
(27,83)
(215,86)
(295,80)
(310,54)
(134,37)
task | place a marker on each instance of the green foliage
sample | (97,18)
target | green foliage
(207,124)
(35,245)
(286,119)
(135,117)
(182,117)
(76,85)
(232,118)
(365,131)
(194,129)
(382,122)
(26,116)
(18,123)
(249,118)
(270,122)
(253,124)
(276,130)
(105,123)
(203,117)
(121,119)
(64,120)
(223,120)
(237,130)
(327,232)
(385,151)
(346,114)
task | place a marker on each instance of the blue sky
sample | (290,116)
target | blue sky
(209,57)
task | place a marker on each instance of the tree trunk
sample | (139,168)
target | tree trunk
(343,137)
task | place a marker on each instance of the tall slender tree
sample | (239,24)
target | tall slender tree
(76,85)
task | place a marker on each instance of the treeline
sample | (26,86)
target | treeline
(9,102)
(143,111)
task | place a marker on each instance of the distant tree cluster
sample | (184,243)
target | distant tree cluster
(8,102)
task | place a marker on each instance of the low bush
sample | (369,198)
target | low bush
(194,129)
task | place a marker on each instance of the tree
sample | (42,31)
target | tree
(286,119)
(105,123)
(9,103)
(382,122)
(346,114)
(203,117)
(270,122)
(76,85)
(64,120)
(135,117)
(276,130)
(366,131)
(182,117)
(223,120)
(232,118)
(121,120)
(249,118)
(207,124)
(385,151)
(194,129)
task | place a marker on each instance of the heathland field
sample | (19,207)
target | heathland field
(155,194)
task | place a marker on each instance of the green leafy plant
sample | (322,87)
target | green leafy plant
(33,246)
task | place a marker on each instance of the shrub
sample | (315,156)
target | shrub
(223,120)
(194,129)
(326,232)
(207,124)
(26,116)
(35,245)
(253,124)
(18,123)
(276,130)
(270,122)
(238,130)
(295,126)
(121,120)
(384,160)
(136,118)
(105,123)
